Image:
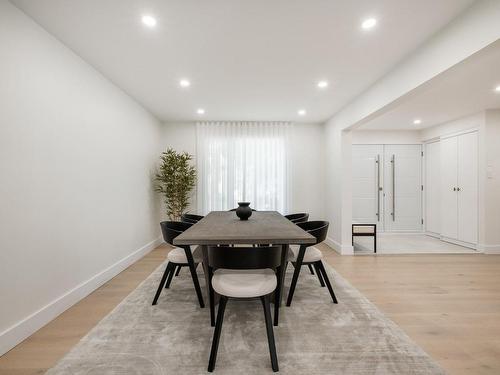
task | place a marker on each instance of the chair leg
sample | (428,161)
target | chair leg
(196,283)
(170,276)
(310,269)
(327,281)
(320,277)
(162,282)
(178,270)
(211,297)
(270,332)
(218,329)
(296,273)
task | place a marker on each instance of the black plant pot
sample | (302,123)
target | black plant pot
(243,211)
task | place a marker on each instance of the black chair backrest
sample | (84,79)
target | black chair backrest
(244,258)
(298,218)
(172,229)
(318,229)
(190,218)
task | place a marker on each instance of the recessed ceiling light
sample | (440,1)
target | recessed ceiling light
(497,89)
(417,121)
(184,83)
(200,111)
(301,112)
(369,23)
(149,21)
(322,84)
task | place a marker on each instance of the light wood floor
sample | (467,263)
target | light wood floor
(448,304)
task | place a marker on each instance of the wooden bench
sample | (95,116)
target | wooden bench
(365,230)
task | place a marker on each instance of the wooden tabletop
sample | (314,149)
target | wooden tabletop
(263,227)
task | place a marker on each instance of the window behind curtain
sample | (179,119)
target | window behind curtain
(243,161)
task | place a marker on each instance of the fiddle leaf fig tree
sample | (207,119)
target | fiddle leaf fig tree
(175,181)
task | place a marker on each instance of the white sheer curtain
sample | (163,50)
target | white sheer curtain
(243,161)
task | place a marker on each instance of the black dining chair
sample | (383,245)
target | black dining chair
(311,256)
(244,273)
(179,257)
(190,218)
(298,218)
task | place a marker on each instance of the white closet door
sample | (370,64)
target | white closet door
(467,187)
(403,192)
(449,184)
(432,188)
(366,202)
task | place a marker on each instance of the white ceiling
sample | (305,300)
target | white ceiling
(247,60)
(467,88)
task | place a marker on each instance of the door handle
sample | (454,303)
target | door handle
(377,161)
(458,189)
(393,166)
(454,189)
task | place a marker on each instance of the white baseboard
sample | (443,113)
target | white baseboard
(338,247)
(489,249)
(29,325)
(459,243)
(433,234)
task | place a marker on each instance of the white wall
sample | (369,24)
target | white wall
(386,137)
(462,124)
(76,160)
(308,179)
(492,182)
(338,197)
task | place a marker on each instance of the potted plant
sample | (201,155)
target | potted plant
(176,179)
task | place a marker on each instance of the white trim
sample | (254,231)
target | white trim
(489,249)
(456,134)
(460,243)
(402,232)
(433,234)
(29,325)
(338,247)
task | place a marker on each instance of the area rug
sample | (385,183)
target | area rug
(314,336)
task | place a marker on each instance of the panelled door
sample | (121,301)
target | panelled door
(468,187)
(449,197)
(366,173)
(403,188)
(459,188)
(432,157)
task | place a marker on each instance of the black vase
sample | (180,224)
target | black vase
(243,211)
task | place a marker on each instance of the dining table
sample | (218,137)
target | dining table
(263,227)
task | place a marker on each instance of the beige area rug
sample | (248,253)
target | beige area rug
(315,336)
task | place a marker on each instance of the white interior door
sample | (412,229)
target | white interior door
(467,187)
(432,188)
(366,179)
(403,188)
(449,184)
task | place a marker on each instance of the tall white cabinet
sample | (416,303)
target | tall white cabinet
(459,188)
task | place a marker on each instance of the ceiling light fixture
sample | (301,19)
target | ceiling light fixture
(200,111)
(369,23)
(497,89)
(417,121)
(149,21)
(301,112)
(322,84)
(184,83)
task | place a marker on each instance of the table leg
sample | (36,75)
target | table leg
(208,281)
(281,281)
(296,272)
